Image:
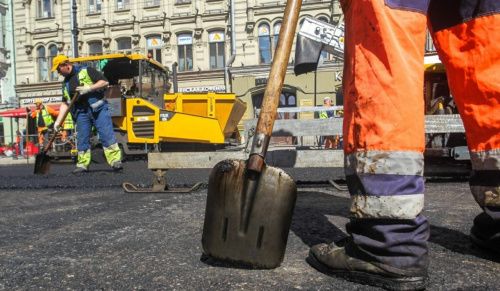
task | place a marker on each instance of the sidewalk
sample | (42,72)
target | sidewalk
(7,161)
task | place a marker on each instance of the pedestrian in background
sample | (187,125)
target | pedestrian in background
(328,141)
(20,141)
(90,109)
(44,119)
(384,132)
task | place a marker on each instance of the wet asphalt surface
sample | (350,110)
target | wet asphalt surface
(63,231)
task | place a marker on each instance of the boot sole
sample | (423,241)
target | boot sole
(365,278)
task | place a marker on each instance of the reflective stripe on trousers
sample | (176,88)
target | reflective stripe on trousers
(83,159)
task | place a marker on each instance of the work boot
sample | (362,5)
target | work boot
(333,260)
(117,166)
(79,170)
(485,233)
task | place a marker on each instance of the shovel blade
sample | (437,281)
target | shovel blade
(258,239)
(42,164)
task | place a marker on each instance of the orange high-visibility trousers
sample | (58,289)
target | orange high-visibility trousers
(470,52)
(384,117)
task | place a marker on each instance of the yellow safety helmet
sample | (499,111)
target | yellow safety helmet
(58,60)
(38,101)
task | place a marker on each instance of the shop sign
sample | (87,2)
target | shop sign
(184,39)
(216,36)
(201,89)
(29,101)
(154,42)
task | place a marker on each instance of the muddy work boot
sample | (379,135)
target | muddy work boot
(485,233)
(117,166)
(333,260)
(79,170)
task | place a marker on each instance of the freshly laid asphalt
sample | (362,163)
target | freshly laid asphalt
(63,231)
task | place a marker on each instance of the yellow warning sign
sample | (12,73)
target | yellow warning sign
(216,36)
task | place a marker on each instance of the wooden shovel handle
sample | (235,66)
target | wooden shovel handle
(276,78)
(53,137)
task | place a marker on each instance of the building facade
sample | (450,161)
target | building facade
(194,35)
(8,98)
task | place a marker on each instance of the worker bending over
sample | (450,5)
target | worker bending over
(90,109)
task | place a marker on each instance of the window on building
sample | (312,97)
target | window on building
(185,51)
(95,6)
(44,9)
(122,4)
(124,43)
(52,54)
(264,44)
(42,65)
(287,99)
(153,47)
(95,48)
(152,3)
(217,55)
(276,35)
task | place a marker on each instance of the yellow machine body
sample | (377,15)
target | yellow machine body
(148,114)
(200,118)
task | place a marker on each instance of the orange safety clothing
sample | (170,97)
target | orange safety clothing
(384,117)
(35,113)
(42,130)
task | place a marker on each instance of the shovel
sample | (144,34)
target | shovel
(42,160)
(249,204)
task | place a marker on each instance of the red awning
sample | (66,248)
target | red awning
(18,112)
(21,112)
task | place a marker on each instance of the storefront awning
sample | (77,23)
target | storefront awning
(21,112)
(18,112)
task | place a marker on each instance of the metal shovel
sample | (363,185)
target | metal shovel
(42,160)
(249,204)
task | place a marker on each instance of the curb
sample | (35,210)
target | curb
(7,161)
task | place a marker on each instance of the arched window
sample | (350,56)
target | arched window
(217,55)
(287,99)
(276,34)
(324,19)
(300,24)
(52,54)
(264,44)
(185,51)
(124,43)
(42,68)
(154,44)
(95,47)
